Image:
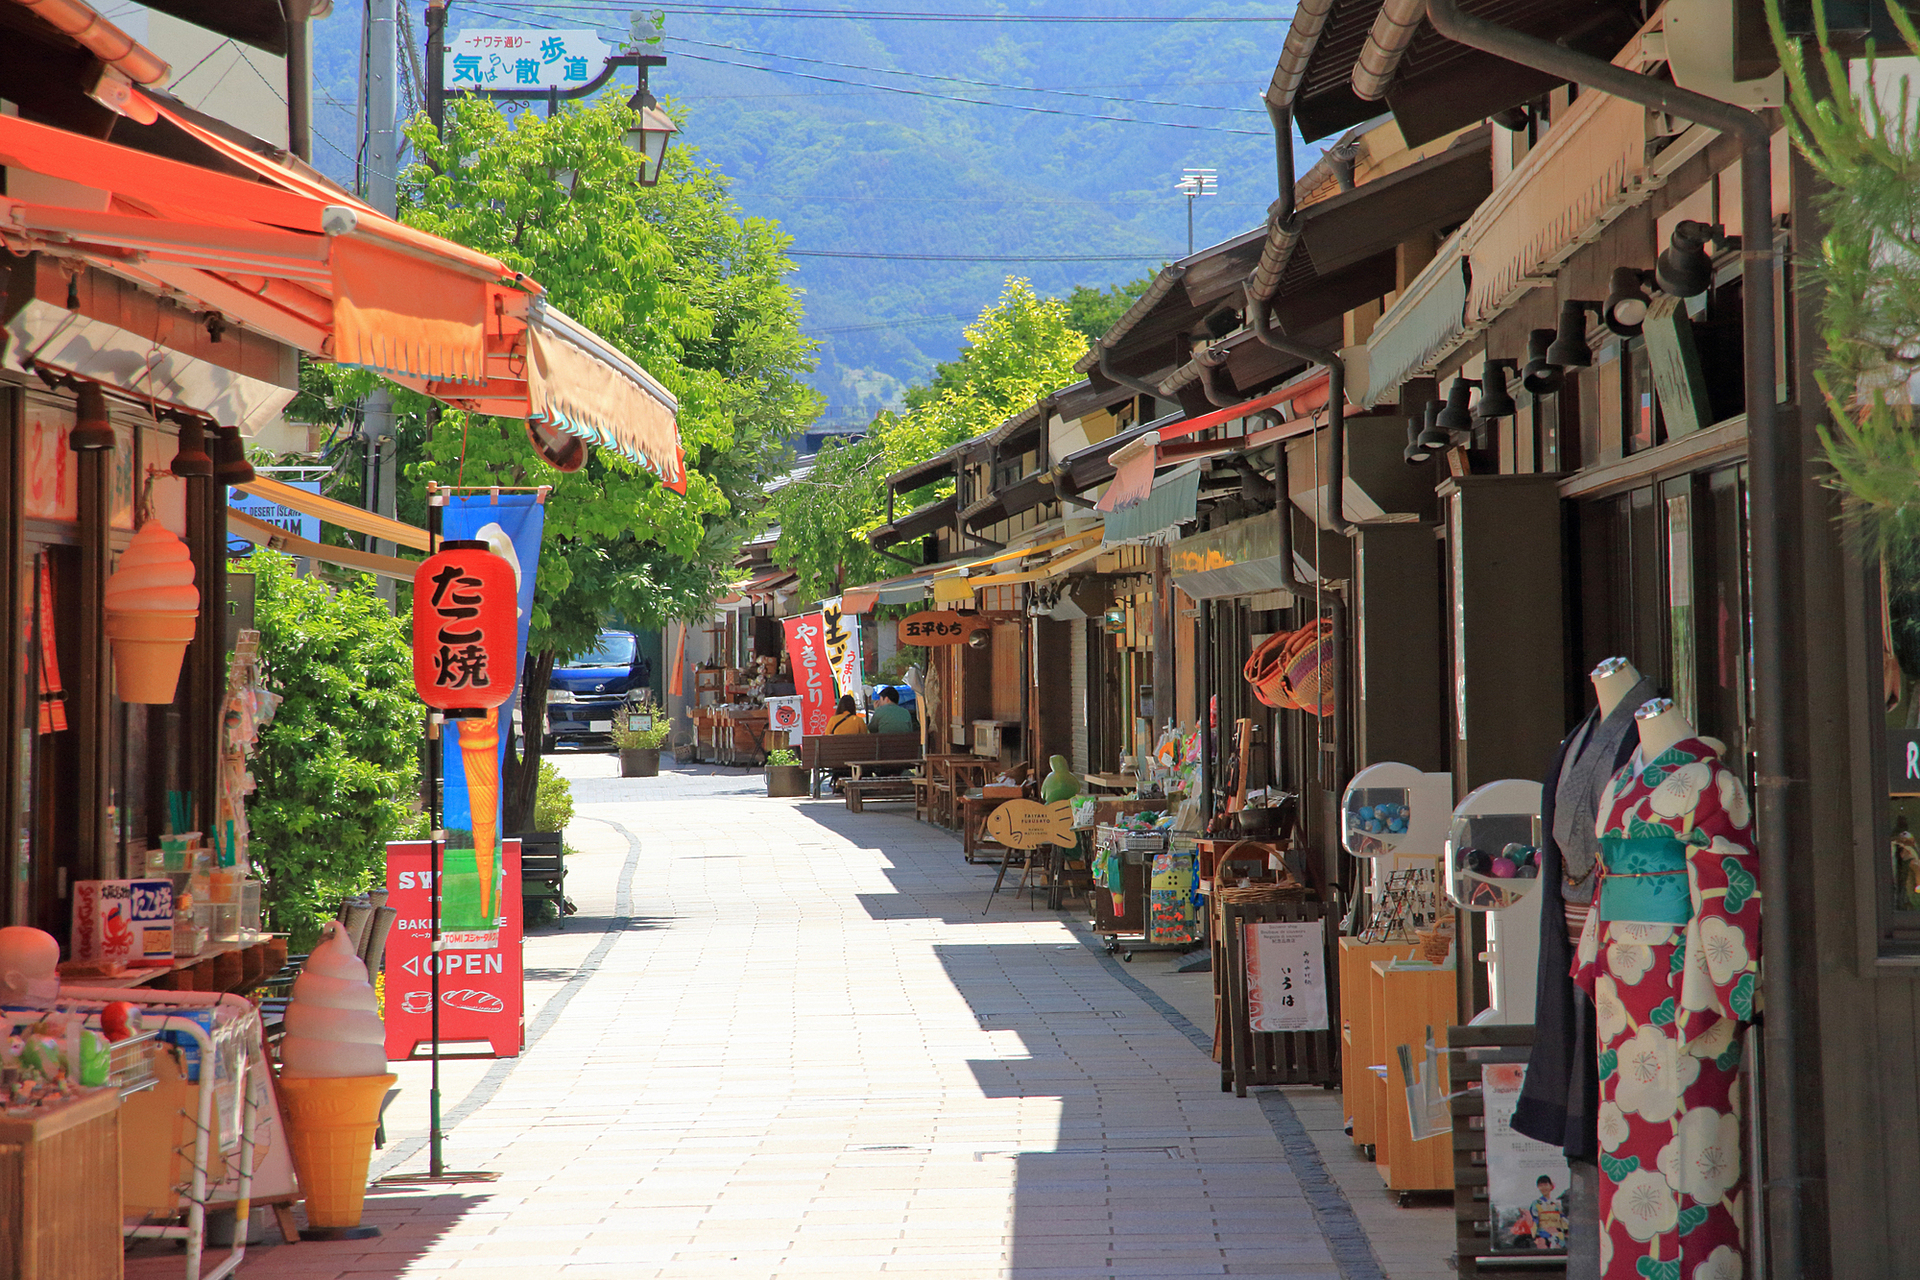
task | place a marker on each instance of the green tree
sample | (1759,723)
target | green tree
(337,769)
(671,275)
(1021,347)
(1093,311)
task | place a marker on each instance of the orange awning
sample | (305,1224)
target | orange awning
(321,271)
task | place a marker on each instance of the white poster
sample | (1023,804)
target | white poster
(783,715)
(1287,975)
(1526,1180)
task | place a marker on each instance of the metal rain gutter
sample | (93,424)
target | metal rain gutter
(1393,30)
(1777,720)
(1303,37)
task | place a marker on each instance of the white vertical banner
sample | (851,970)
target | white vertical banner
(843,650)
(1287,975)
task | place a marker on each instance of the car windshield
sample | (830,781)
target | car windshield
(614,650)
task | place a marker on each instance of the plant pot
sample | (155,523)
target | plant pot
(639,762)
(787,779)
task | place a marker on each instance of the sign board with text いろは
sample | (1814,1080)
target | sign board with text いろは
(523,60)
(812,669)
(937,626)
(481,996)
(1287,975)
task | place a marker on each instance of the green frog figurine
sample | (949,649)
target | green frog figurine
(1060,784)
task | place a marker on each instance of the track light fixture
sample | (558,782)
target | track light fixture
(1541,376)
(1415,453)
(1684,269)
(1433,437)
(230,465)
(92,430)
(1625,310)
(1495,400)
(1454,419)
(192,459)
(1570,349)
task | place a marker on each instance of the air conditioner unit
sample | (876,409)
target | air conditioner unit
(1704,51)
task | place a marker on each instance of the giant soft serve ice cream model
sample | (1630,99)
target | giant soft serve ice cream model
(151,608)
(333,1077)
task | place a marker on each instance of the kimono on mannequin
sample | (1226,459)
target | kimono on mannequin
(1670,956)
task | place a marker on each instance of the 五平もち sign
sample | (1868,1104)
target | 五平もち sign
(938,627)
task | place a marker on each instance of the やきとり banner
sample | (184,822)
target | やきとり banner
(812,669)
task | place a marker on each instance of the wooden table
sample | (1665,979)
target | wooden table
(60,1192)
(1112,781)
(975,809)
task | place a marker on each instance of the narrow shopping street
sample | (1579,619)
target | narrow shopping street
(789,1043)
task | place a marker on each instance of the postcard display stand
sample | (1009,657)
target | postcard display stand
(1493,865)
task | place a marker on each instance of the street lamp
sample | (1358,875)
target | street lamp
(648,135)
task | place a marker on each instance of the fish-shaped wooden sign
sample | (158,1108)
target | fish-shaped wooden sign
(1028,824)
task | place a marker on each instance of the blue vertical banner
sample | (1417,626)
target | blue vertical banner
(511,524)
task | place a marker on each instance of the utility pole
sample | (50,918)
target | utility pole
(436,64)
(382,63)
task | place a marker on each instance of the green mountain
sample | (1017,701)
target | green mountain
(867,139)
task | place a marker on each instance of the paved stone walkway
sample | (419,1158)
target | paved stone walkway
(792,1045)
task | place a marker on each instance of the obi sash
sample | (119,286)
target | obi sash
(1644,880)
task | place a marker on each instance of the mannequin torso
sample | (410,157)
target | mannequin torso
(1613,680)
(1661,726)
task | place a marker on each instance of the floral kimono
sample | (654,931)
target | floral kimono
(1670,956)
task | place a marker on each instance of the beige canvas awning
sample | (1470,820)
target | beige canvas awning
(262,534)
(332,512)
(579,384)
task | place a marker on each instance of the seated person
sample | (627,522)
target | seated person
(888,715)
(845,718)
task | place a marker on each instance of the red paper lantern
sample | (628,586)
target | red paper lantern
(465,641)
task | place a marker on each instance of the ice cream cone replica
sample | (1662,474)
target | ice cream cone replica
(152,606)
(480,752)
(333,1076)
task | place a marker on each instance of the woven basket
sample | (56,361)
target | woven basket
(1434,944)
(1266,671)
(1309,668)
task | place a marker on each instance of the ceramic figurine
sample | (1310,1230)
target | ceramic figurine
(1060,784)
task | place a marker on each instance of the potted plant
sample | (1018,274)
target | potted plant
(638,734)
(786,776)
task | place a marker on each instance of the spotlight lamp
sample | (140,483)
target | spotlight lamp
(1625,310)
(192,459)
(1541,376)
(1415,452)
(1570,349)
(1684,269)
(1454,418)
(1495,400)
(1433,438)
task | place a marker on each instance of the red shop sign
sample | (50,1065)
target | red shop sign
(481,996)
(812,669)
(465,641)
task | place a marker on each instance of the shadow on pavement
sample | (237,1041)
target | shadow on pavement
(921,862)
(410,1219)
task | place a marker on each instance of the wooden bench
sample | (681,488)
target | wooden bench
(861,788)
(543,873)
(823,752)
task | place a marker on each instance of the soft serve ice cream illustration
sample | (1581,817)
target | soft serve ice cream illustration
(333,1078)
(151,606)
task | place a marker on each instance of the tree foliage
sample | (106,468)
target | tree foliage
(1866,145)
(1093,311)
(1020,348)
(673,277)
(338,767)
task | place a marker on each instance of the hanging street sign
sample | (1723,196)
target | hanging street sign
(934,626)
(523,59)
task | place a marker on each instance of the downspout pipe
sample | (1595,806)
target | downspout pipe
(1207,364)
(1332,772)
(1777,722)
(1124,380)
(1282,120)
(1260,318)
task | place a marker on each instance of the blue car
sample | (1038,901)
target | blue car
(587,692)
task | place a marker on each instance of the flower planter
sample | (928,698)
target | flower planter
(787,780)
(639,762)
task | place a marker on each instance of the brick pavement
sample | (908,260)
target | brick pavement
(803,1051)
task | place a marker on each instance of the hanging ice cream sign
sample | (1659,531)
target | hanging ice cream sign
(523,60)
(465,663)
(812,670)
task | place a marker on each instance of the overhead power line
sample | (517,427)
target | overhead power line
(977,84)
(981,257)
(722,10)
(976,102)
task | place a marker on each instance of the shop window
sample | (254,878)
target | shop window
(1602,406)
(1644,428)
(1622,602)
(1717,334)
(1721,622)
(1898,643)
